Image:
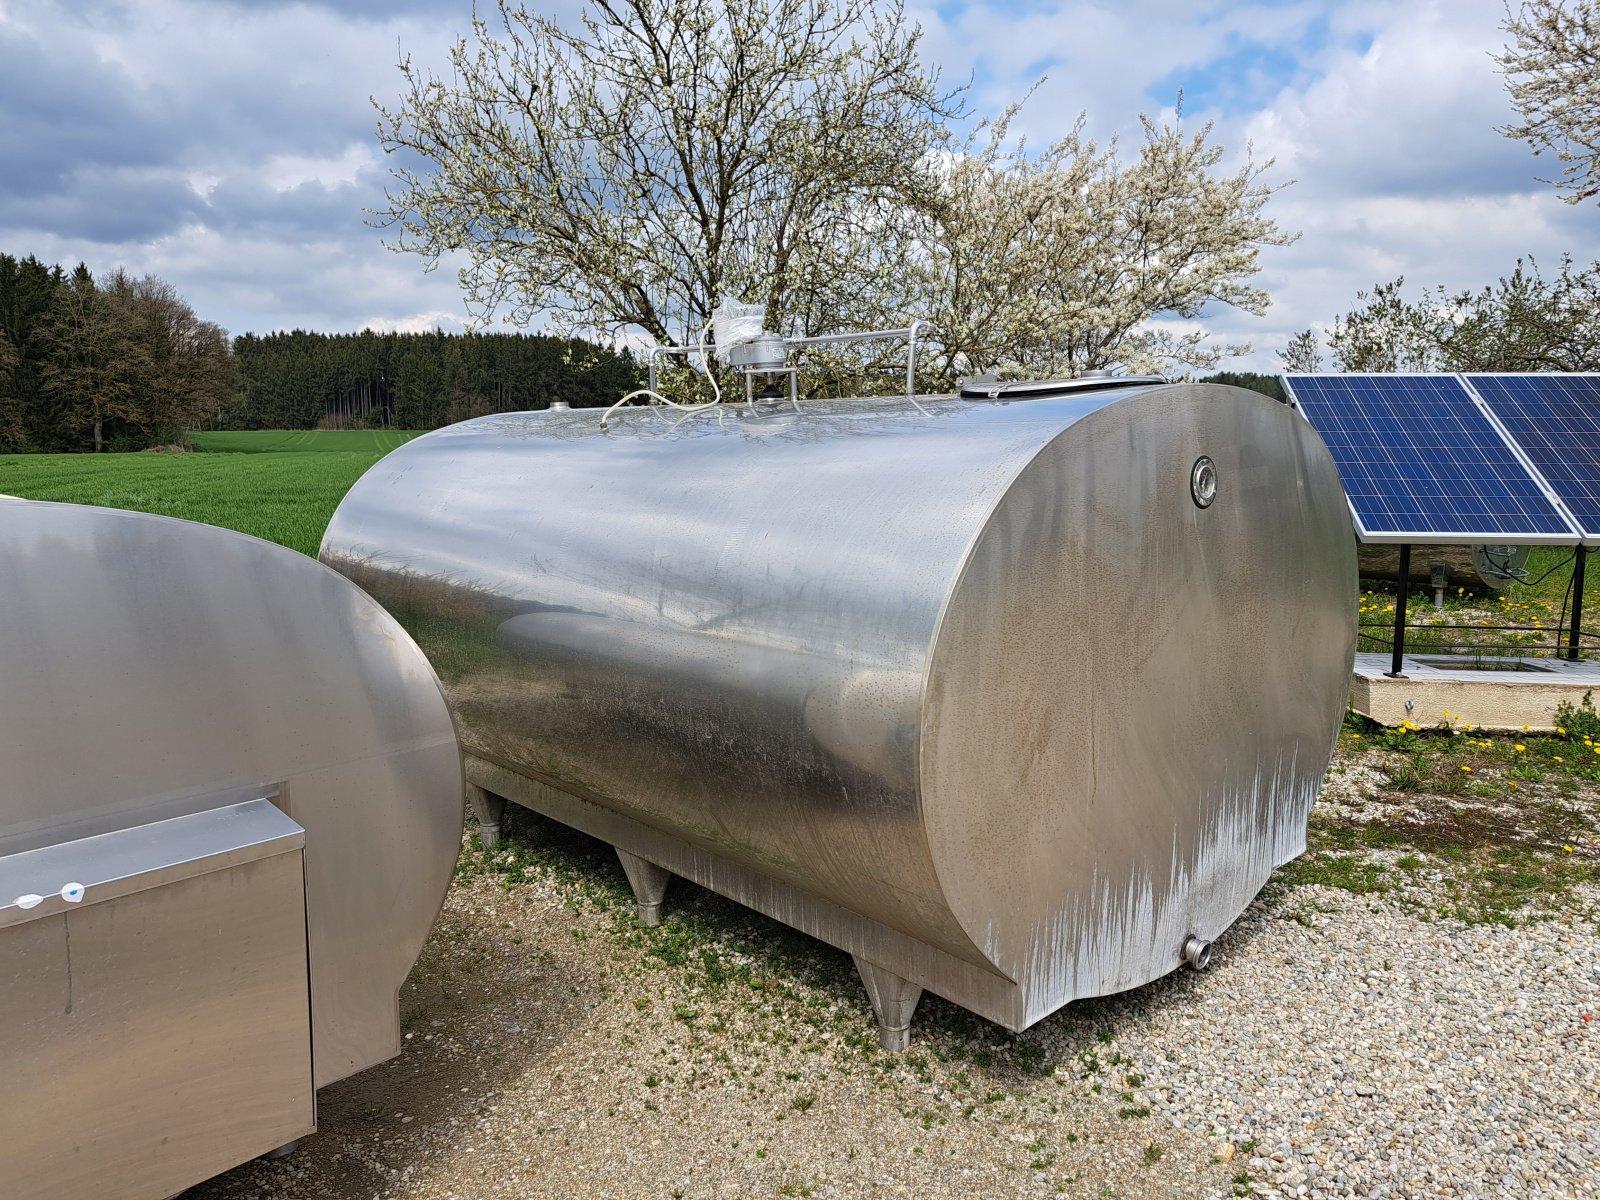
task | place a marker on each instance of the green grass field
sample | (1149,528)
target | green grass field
(302,441)
(279,485)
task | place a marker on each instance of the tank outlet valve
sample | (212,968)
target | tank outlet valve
(1197,952)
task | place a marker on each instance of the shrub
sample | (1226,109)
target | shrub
(1579,721)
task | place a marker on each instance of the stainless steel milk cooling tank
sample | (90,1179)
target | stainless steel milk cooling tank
(1013,699)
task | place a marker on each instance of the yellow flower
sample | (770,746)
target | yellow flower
(1561,731)
(1355,737)
(1568,849)
(1468,770)
(1557,757)
(1519,747)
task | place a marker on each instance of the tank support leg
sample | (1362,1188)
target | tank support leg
(649,883)
(488,808)
(893,1000)
(282,1151)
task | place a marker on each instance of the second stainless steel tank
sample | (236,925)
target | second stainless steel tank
(230,805)
(1012,700)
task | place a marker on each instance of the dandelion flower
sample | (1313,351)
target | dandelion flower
(1561,731)
(1569,849)
(1558,758)
(1468,770)
(1519,747)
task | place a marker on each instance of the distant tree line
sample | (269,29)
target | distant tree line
(123,363)
(1267,385)
(119,364)
(300,380)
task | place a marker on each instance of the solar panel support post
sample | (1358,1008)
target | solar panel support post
(1574,635)
(1401,588)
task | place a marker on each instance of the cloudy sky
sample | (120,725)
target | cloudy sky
(228,146)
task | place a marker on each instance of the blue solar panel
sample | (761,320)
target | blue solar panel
(1421,462)
(1556,421)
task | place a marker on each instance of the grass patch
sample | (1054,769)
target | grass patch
(1506,826)
(1349,872)
(279,485)
(302,441)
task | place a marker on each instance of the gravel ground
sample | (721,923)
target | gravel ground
(1340,1045)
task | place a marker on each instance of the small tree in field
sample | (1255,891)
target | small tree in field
(1301,354)
(631,171)
(1523,322)
(628,173)
(1055,263)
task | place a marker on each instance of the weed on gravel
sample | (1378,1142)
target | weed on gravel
(1485,828)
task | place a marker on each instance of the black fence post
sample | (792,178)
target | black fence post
(1404,586)
(1573,638)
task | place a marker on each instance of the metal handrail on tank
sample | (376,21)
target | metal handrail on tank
(827,339)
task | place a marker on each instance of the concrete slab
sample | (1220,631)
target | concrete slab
(1508,693)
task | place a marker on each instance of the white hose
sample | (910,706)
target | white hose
(716,392)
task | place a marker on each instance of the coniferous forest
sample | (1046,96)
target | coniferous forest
(124,363)
(300,380)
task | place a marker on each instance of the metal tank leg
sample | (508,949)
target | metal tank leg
(649,883)
(893,1000)
(282,1151)
(488,808)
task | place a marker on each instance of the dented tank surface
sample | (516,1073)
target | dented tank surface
(995,694)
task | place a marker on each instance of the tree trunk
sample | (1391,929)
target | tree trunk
(99,441)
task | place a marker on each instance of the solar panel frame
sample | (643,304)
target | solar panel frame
(1390,435)
(1526,404)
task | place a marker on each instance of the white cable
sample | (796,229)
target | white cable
(716,392)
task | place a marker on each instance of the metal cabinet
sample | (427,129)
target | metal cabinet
(157,1017)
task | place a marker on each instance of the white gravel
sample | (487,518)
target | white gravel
(1339,1045)
(1366,1052)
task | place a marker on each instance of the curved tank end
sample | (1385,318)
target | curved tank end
(1135,688)
(152,668)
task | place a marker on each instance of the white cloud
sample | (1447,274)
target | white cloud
(286,171)
(1400,171)
(422,322)
(1384,114)
(229,147)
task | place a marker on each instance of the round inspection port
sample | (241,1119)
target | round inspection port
(1203,481)
(1197,952)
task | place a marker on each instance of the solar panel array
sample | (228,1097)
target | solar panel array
(1556,421)
(1422,460)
